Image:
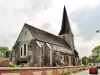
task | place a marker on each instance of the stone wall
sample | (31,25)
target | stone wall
(40,70)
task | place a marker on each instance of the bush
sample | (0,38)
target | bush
(84,69)
(66,73)
(12,65)
(80,69)
(75,71)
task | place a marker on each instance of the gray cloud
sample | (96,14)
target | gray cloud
(88,20)
(14,13)
(83,51)
(28,7)
(46,26)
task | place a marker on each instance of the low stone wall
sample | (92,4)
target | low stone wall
(40,70)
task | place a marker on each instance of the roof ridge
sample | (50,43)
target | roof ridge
(41,30)
(46,36)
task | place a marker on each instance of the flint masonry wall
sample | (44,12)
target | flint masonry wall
(39,71)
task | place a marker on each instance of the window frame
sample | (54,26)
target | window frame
(25,52)
(25,32)
(21,51)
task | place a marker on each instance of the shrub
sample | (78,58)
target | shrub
(80,69)
(12,65)
(66,73)
(75,71)
(84,69)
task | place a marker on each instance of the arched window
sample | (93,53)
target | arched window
(41,50)
(21,51)
(64,58)
(24,49)
(25,32)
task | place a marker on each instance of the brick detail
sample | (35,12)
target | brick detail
(55,72)
(59,71)
(0,73)
(44,73)
(40,71)
(65,70)
(37,72)
(49,72)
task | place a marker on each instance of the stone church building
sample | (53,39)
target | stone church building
(38,47)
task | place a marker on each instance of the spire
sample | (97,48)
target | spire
(65,28)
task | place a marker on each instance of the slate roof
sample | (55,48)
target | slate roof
(46,36)
(65,28)
(15,45)
(76,53)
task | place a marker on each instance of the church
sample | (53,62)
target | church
(36,47)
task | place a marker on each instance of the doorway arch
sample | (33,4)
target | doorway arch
(66,60)
(73,60)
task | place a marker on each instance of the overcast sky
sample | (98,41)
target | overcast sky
(84,16)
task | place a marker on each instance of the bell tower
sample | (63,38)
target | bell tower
(66,32)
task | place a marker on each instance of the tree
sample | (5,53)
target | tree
(8,54)
(96,54)
(3,50)
(92,59)
(96,51)
(85,60)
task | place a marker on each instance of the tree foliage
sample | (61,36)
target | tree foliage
(96,51)
(8,54)
(95,54)
(85,60)
(93,59)
(3,50)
